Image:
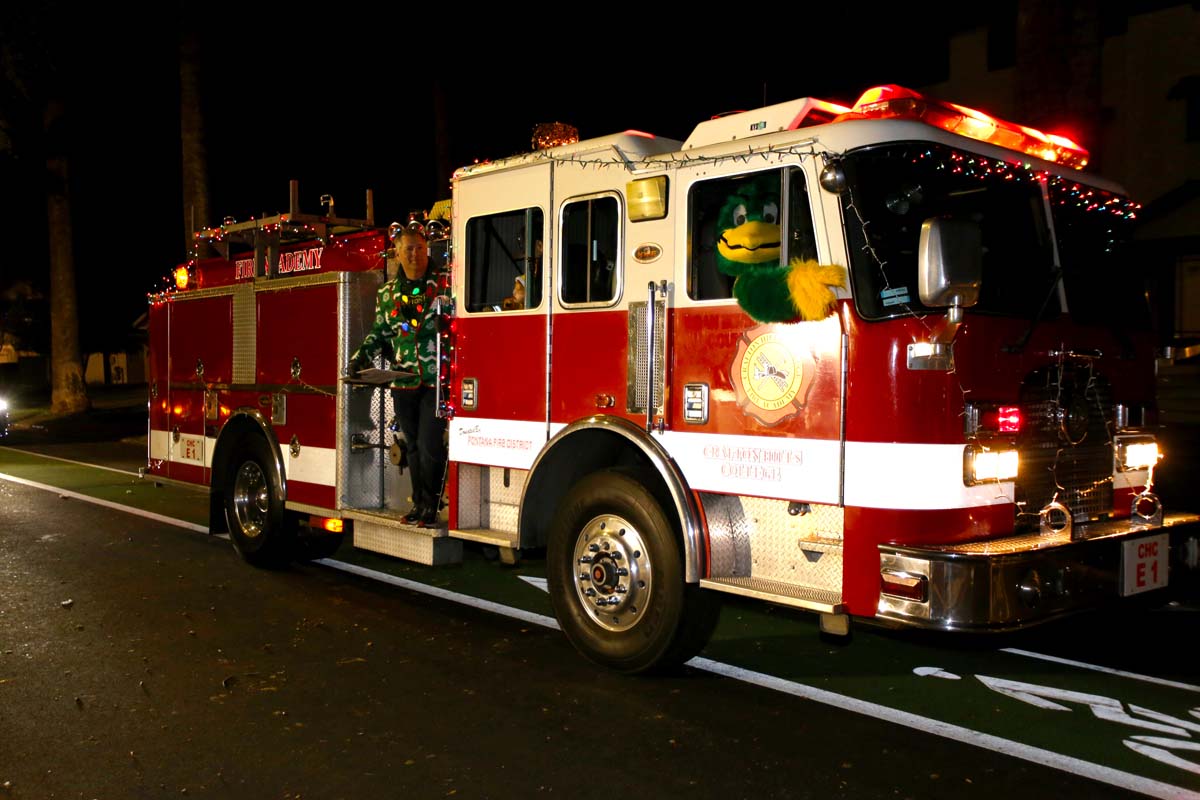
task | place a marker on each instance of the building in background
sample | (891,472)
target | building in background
(1124,82)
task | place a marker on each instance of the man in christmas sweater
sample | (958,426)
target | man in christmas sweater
(405,331)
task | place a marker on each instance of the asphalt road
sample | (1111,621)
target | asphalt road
(139,659)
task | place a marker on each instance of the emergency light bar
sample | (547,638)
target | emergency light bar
(896,102)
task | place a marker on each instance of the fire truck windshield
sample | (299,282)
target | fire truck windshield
(893,189)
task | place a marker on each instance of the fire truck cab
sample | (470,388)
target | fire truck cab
(962,440)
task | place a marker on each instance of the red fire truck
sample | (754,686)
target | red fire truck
(964,442)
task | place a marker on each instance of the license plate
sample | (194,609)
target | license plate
(1144,564)
(190,450)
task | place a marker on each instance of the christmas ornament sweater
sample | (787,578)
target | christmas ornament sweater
(405,329)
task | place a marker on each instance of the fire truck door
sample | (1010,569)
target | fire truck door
(600,363)
(501,328)
(201,355)
(753,407)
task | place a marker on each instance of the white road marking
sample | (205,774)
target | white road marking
(70,461)
(1036,755)
(537,583)
(1095,668)
(191,526)
(444,594)
(935,672)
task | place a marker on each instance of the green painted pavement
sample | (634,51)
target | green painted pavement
(1080,713)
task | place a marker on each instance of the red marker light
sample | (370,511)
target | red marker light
(1009,419)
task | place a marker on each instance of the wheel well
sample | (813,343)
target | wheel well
(239,426)
(581,453)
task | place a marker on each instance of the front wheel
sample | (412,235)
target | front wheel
(254,505)
(616,577)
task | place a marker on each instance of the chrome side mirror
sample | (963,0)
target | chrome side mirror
(949,274)
(950,262)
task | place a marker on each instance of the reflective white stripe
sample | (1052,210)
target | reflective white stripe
(762,466)
(194,450)
(313,465)
(496,442)
(898,475)
(160,445)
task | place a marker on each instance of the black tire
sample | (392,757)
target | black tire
(645,619)
(254,505)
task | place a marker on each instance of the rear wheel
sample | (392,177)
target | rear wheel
(616,577)
(254,505)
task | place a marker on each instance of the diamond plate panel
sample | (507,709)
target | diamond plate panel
(245,325)
(502,517)
(362,471)
(754,537)
(485,502)
(470,495)
(510,494)
(407,544)
(771,517)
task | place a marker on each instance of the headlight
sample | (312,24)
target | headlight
(3,405)
(1137,453)
(983,464)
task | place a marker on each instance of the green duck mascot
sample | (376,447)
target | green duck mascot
(749,250)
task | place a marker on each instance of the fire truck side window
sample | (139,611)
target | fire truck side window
(758,194)
(589,251)
(501,248)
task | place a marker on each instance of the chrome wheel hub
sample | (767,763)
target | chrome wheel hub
(613,575)
(251,499)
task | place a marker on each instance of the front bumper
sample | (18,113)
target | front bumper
(1011,583)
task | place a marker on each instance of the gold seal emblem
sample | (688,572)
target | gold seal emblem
(770,379)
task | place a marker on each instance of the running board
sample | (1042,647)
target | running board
(785,594)
(387,534)
(510,539)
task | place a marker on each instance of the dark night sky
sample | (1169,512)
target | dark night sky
(345,106)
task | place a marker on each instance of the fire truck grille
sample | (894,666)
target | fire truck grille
(1066,444)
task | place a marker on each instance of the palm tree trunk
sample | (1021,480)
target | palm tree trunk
(68,392)
(191,134)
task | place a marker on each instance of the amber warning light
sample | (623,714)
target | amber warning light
(896,102)
(181,277)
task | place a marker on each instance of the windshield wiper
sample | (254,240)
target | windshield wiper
(1019,346)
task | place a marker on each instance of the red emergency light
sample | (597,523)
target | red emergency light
(896,102)
(985,419)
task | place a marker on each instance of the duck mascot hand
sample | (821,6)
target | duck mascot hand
(749,250)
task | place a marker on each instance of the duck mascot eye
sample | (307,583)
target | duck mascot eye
(749,250)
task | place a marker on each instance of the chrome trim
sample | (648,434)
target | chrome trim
(1024,580)
(651,304)
(695,393)
(198,294)
(264,427)
(685,504)
(275,284)
(438,409)
(845,357)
